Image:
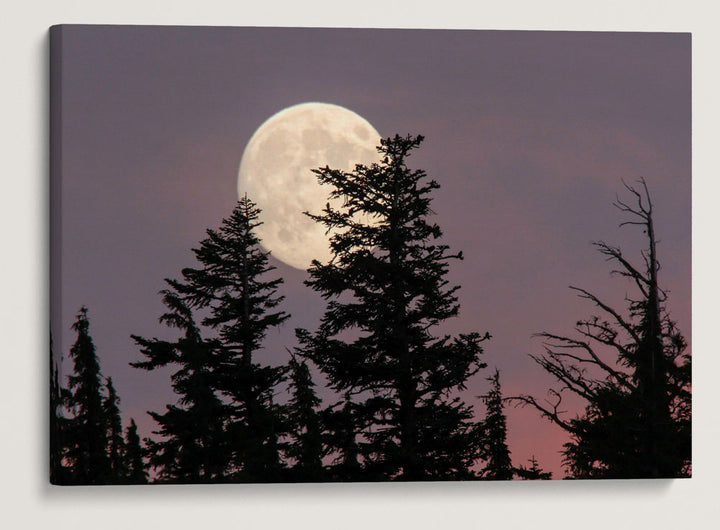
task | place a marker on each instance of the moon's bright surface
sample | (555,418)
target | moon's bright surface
(275,172)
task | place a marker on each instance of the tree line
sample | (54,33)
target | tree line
(397,381)
(87,443)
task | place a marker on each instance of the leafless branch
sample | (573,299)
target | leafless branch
(641,210)
(566,342)
(620,320)
(615,254)
(570,375)
(551,413)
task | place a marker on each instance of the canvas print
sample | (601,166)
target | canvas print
(362,255)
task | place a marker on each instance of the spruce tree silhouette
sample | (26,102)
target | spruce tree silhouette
(341,440)
(192,448)
(495,448)
(238,303)
(637,420)
(386,286)
(534,472)
(114,435)
(86,434)
(305,446)
(86,443)
(133,457)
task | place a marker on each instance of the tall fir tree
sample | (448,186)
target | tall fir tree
(232,285)
(386,285)
(238,303)
(636,423)
(192,447)
(305,446)
(495,449)
(133,457)
(114,434)
(86,434)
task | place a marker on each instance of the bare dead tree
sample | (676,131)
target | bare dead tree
(630,367)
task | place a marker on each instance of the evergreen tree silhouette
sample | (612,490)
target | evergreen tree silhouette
(534,472)
(305,447)
(86,443)
(637,420)
(495,451)
(231,283)
(386,286)
(342,441)
(238,303)
(192,448)
(133,457)
(85,433)
(116,443)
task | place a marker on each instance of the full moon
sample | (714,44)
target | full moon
(275,172)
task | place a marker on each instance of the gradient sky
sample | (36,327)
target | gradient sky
(528,134)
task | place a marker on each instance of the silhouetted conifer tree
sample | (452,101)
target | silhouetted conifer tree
(231,283)
(133,457)
(305,447)
(192,447)
(116,443)
(86,433)
(386,285)
(495,449)
(534,472)
(637,420)
(341,441)
(238,303)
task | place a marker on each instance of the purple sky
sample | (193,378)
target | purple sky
(528,134)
